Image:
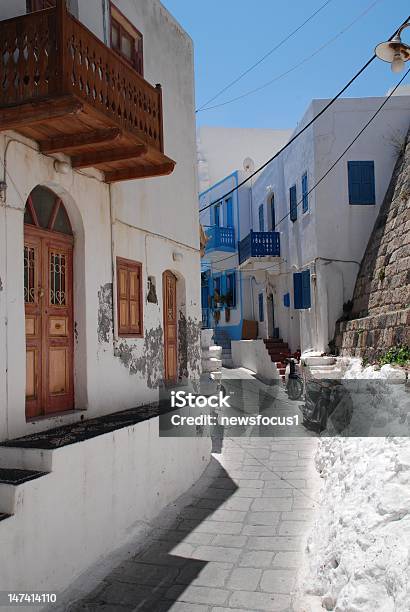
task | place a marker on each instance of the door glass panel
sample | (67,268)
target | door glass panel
(28,217)
(62,224)
(29,275)
(115,36)
(43,201)
(58,279)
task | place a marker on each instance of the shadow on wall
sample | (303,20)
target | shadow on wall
(155,578)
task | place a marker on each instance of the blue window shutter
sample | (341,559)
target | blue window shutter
(293,203)
(305,197)
(297,290)
(361,182)
(228,213)
(231,288)
(261,219)
(286,300)
(260,300)
(306,299)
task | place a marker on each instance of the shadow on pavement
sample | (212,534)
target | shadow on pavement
(155,578)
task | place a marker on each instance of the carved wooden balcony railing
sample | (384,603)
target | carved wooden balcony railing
(63,87)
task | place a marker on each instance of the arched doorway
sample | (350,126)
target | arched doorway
(48,298)
(169,287)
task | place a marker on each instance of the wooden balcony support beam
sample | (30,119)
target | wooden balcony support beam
(128,174)
(77,141)
(96,159)
(31,113)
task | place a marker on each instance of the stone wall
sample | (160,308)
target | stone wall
(380,315)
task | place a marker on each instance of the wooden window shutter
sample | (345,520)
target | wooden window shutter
(129,298)
(261,219)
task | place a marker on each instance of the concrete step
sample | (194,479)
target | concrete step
(12,479)
(211,365)
(36,459)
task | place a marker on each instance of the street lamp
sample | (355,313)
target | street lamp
(394,51)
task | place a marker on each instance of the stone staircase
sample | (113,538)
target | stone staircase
(278,352)
(222,339)
(211,354)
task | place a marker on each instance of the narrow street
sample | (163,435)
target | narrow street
(233,541)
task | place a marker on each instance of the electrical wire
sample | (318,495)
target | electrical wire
(298,65)
(329,170)
(248,70)
(307,126)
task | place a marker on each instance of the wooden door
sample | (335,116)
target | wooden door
(169,283)
(48,297)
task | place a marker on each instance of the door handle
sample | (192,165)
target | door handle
(40,292)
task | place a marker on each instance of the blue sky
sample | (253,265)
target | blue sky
(230,35)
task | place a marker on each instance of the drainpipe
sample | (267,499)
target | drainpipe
(112,221)
(105,13)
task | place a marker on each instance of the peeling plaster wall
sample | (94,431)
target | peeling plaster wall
(153,221)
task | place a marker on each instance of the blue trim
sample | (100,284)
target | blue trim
(286,300)
(261,308)
(232,175)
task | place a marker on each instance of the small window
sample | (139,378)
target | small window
(129,298)
(231,290)
(261,310)
(293,204)
(305,195)
(261,219)
(361,182)
(126,40)
(301,290)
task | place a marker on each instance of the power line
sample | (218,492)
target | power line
(366,125)
(282,42)
(307,126)
(295,66)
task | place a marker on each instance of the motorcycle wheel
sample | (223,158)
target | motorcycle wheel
(294,388)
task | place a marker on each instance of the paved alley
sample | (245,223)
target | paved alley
(232,542)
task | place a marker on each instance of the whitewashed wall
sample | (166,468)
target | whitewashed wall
(154,221)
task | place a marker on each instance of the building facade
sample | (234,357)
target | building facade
(318,223)
(99,264)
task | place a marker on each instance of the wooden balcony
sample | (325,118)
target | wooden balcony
(61,86)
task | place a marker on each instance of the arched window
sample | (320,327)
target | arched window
(45,210)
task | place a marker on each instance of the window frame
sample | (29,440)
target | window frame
(130,266)
(125,27)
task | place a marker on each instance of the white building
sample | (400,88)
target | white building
(99,273)
(222,150)
(297,270)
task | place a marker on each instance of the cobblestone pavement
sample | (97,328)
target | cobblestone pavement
(232,542)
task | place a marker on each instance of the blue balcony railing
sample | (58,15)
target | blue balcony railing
(259,244)
(220,239)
